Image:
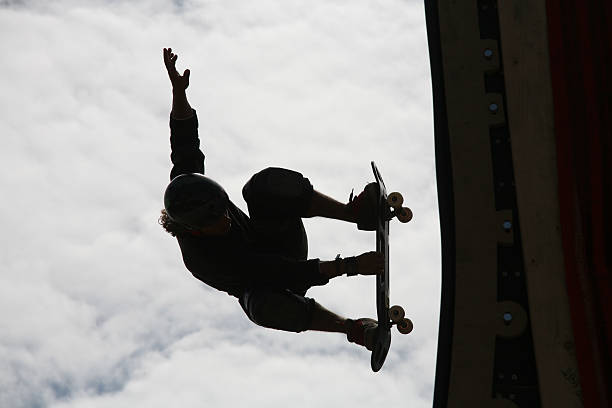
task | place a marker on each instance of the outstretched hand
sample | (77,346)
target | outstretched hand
(179,82)
(371,263)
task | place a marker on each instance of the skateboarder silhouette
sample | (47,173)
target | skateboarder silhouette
(260,258)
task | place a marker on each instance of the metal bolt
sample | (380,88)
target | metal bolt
(507,318)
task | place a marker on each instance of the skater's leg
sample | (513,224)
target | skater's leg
(360,331)
(280,194)
(287,311)
(361,210)
(327,321)
(324,206)
(276,198)
(278,309)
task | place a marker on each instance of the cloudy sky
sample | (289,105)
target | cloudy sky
(96,308)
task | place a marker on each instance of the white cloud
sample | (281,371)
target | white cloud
(96,308)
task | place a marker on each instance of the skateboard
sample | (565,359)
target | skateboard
(388,207)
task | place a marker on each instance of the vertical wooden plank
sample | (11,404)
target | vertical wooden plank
(524,43)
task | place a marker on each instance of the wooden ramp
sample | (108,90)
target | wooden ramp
(517,228)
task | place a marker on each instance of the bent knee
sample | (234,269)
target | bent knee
(274,182)
(281,310)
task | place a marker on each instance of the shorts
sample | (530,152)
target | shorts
(277,200)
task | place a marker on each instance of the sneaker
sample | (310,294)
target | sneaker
(364,208)
(362,332)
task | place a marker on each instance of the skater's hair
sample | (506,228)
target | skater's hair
(170,226)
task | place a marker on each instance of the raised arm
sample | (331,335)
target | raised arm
(184,141)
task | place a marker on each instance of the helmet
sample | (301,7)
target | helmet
(194,200)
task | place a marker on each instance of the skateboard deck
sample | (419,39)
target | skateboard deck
(389,206)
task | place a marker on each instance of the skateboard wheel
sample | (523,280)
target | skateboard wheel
(405,326)
(395,200)
(396,314)
(404,214)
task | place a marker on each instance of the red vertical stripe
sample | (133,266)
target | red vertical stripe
(580,48)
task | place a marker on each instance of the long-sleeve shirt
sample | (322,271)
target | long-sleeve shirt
(232,263)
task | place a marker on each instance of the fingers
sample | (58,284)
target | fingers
(178,81)
(169,57)
(372,262)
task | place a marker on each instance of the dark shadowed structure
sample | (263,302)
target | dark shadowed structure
(522,95)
